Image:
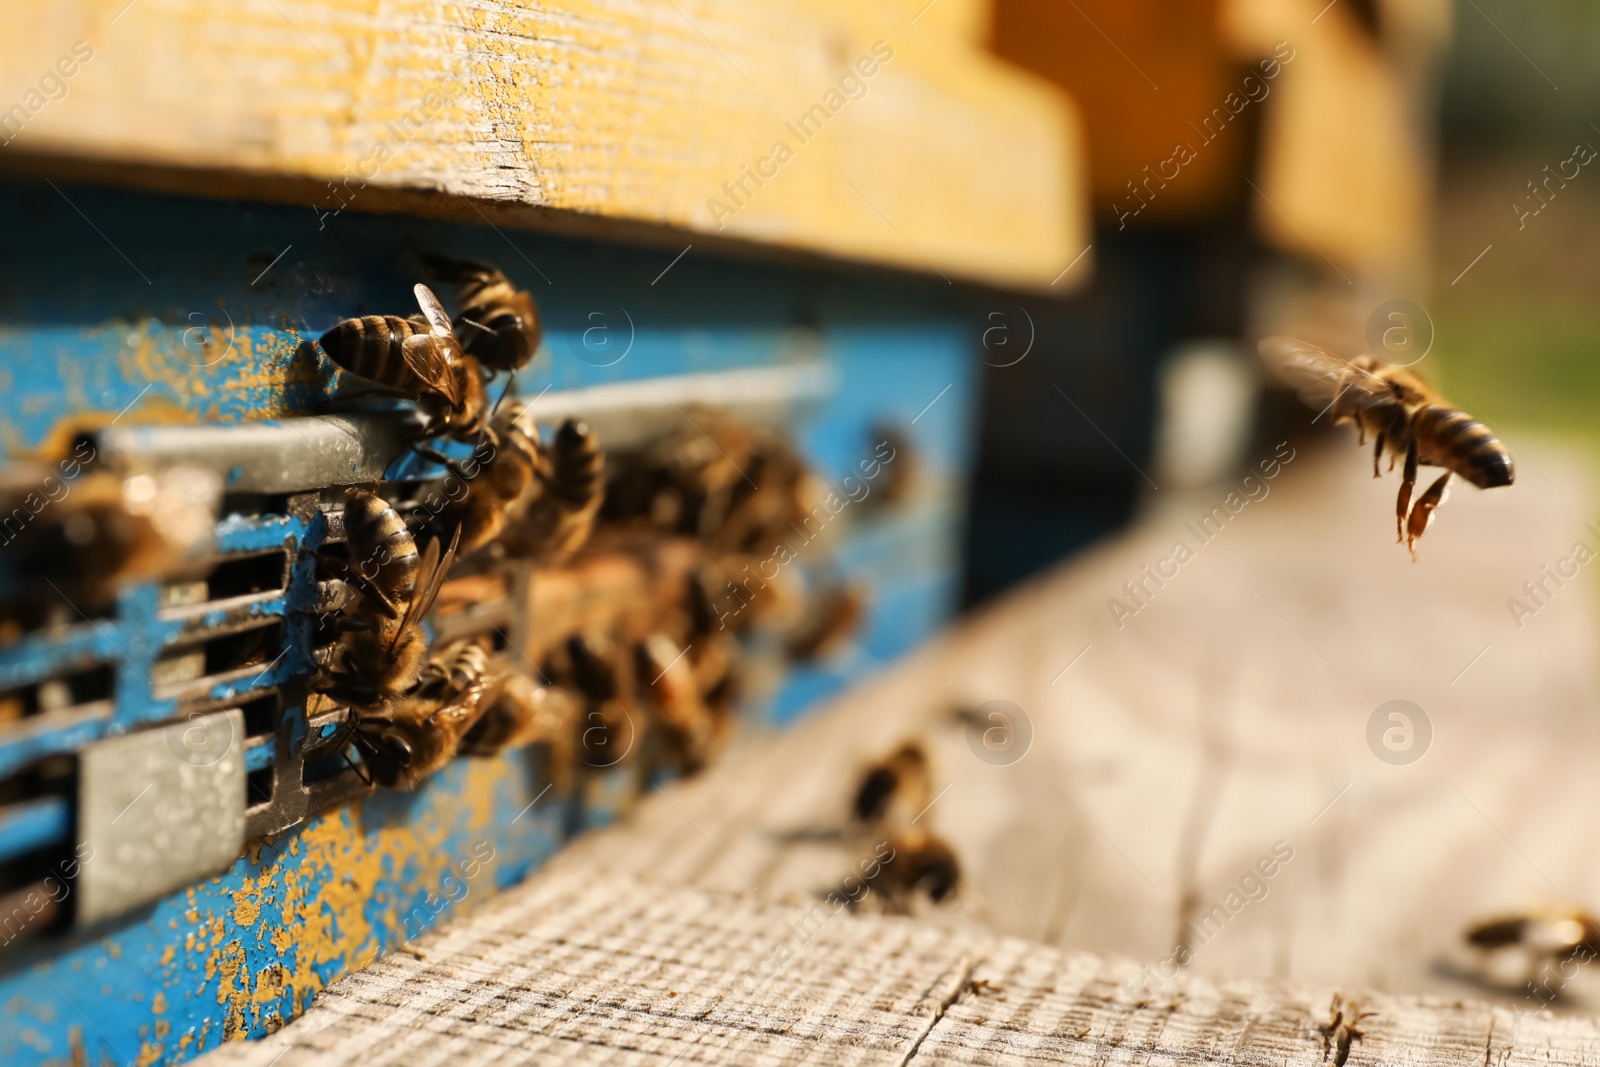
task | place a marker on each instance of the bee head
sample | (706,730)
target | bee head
(387,752)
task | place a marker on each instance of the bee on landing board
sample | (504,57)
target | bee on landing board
(1406,418)
(383,646)
(905,863)
(1565,937)
(895,789)
(499,323)
(405,739)
(422,360)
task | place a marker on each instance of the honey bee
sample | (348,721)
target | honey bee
(684,483)
(405,739)
(421,359)
(895,789)
(828,625)
(88,537)
(497,490)
(907,862)
(499,321)
(608,729)
(1559,936)
(527,713)
(571,485)
(1405,416)
(383,646)
(687,728)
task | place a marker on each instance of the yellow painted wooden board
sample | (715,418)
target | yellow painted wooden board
(878,131)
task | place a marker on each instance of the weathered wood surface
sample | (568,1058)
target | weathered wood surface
(1226,716)
(942,158)
(580,969)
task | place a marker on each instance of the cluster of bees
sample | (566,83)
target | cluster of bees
(726,490)
(731,490)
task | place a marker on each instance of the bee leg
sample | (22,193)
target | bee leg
(1422,511)
(1377,454)
(1408,482)
(453,466)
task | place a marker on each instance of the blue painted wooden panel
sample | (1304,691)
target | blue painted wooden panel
(156,309)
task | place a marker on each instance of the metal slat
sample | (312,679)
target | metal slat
(297,455)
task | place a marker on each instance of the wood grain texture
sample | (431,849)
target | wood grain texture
(632,112)
(578,969)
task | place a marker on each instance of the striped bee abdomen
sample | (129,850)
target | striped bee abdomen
(369,347)
(382,549)
(578,474)
(1456,441)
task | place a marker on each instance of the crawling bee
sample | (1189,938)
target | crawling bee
(905,863)
(570,489)
(1563,937)
(499,321)
(405,739)
(422,360)
(687,728)
(1405,416)
(895,789)
(498,489)
(383,645)
(104,531)
(527,713)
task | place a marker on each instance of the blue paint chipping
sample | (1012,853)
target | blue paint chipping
(217,337)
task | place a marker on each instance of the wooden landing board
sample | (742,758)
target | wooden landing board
(1228,715)
(905,143)
(578,969)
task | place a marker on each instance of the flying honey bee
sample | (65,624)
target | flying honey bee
(571,485)
(383,646)
(498,489)
(1406,418)
(88,537)
(1561,936)
(500,323)
(421,359)
(405,739)
(895,789)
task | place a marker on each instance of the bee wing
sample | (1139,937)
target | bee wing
(433,311)
(431,366)
(431,574)
(1319,376)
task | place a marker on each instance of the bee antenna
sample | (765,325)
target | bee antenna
(474,325)
(343,744)
(511,380)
